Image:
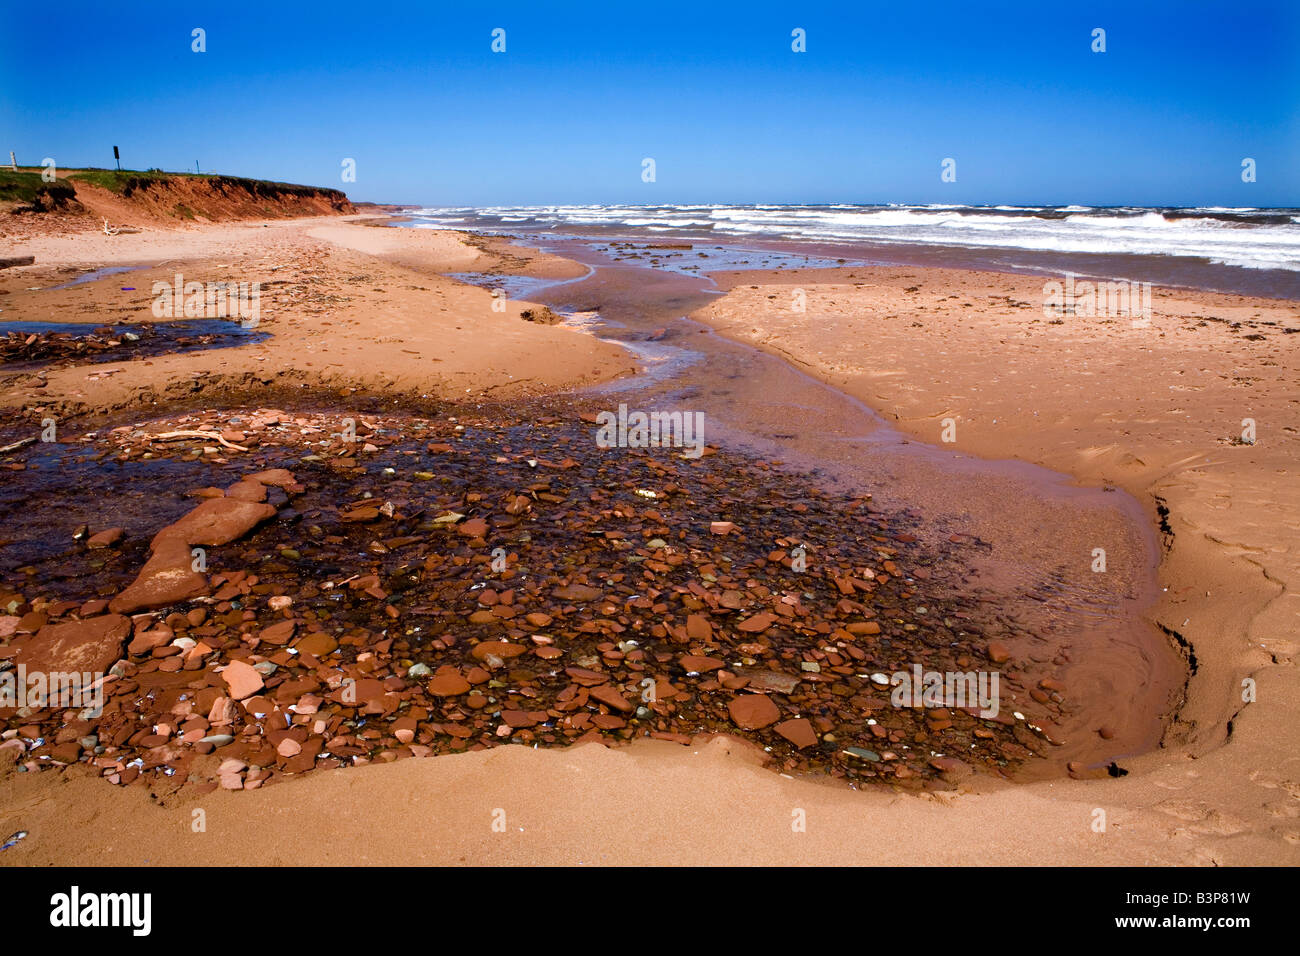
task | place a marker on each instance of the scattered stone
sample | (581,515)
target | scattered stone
(242,679)
(798,731)
(753,711)
(168,577)
(216,521)
(692,663)
(448,685)
(106,538)
(90,646)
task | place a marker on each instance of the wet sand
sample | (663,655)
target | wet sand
(1055,616)
(343,305)
(1061,621)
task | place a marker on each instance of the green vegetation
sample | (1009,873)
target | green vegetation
(125,182)
(28,188)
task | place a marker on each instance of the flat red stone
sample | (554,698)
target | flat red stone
(447,685)
(753,711)
(798,731)
(242,679)
(92,646)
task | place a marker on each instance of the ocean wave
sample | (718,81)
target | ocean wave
(1238,236)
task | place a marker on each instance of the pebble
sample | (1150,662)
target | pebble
(998,652)
(863,754)
(798,731)
(753,711)
(242,679)
(625,586)
(106,538)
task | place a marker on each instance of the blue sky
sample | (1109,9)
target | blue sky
(712,92)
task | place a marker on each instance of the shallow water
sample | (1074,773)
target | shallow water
(93,275)
(1035,530)
(147,339)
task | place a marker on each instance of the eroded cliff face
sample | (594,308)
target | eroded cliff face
(157,197)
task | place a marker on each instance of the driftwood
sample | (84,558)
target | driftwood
(17,261)
(209,436)
(16,445)
(115,230)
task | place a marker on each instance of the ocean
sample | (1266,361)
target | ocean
(1246,250)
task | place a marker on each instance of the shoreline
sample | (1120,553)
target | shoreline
(1154,826)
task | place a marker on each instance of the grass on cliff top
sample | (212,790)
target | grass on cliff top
(124,182)
(24,187)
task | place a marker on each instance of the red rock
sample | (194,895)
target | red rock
(721,527)
(578,592)
(586,678)
(473,528)
(106,538)
(223,711)
(278,633)
(951,766)
(753,711)
(998,652)
(317,644)
(168,577)
(242,679)
(608,695)
(247,491)
(757,623)
(216,521)
(288,747)
(66,753)
(692,662)
(518,718)
(538,619)
(93,646)
(404,729)
(276,477)
(698,627)
(500,649)
(447,685)
(146,641)
(798,731)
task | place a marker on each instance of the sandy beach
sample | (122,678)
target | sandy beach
(1199,594)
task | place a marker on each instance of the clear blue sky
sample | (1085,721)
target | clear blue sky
(885,91)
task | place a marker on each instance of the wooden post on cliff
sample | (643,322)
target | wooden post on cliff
(117,157)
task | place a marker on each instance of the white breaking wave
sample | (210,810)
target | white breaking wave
(1242,237)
